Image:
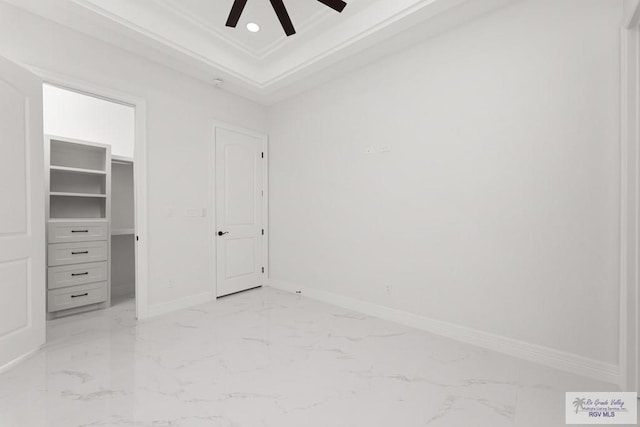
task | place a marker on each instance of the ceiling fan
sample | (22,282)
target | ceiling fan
(281,12)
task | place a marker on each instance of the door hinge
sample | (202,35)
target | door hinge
(137,238)
(262,270)
(263,231)
(263,154)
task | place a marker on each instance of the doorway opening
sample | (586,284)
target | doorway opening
(82,127)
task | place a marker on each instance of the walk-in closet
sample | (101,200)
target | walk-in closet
(90,199)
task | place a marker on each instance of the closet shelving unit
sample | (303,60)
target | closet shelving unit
(122,206)
(123,251)
(78,225)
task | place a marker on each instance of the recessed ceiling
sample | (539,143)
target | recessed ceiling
(266,66)
(210,16)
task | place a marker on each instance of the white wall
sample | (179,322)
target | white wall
(180,114)
(497,207)
(79,116)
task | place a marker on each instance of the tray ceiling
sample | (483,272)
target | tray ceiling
(210,16)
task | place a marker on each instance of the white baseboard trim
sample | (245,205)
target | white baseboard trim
(167,307)
(14,362)
(546,356)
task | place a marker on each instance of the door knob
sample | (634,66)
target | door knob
(222,233)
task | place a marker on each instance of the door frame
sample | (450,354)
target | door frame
(629,369)
(213,194)
(140,170)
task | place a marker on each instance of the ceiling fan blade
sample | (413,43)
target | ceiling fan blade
(283,16)
(337,5)
(236,12)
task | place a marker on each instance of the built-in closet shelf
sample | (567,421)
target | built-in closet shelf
(122,160)
(54,220)
(96,196)
(77,170)
(78,204)
(123,232)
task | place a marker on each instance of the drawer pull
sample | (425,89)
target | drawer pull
(80,274)
(79,253)
(80,295)
(79,231)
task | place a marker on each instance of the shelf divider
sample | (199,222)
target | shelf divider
(88,195)
(77,170)
(123,231)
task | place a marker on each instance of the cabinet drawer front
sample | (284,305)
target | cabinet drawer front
(74,253)
(71,275)
(62,232)
(76,296)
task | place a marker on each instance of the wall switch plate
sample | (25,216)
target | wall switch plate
(385,149)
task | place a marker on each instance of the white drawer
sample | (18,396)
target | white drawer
(79,231)
(76,296)
(74,253)
(76,274)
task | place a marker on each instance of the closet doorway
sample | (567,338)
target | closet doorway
(76,120)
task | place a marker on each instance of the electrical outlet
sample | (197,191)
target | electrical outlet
(369,150)
(385,149)
(387,288)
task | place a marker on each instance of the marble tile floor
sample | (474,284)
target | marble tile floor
(266,358)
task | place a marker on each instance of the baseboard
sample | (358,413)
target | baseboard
(77,310)
(167,307)
(14,362)
(546,356)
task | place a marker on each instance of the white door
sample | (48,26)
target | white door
(239,210)
(22,239)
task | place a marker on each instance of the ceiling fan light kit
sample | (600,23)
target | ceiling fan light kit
(253,27)
(281,12)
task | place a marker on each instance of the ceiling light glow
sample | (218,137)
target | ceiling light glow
(253,27)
